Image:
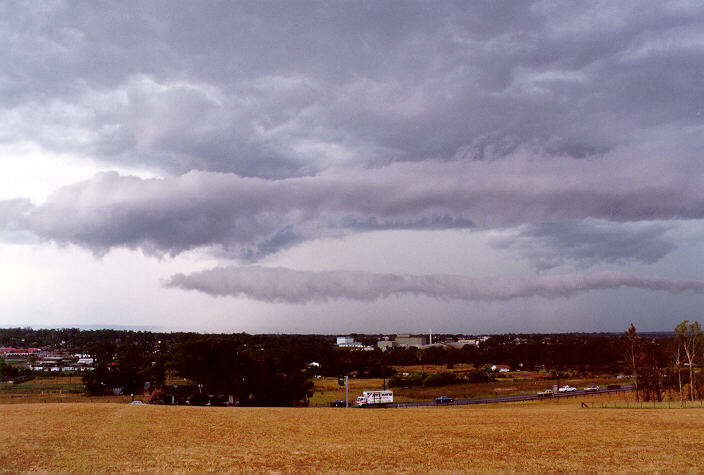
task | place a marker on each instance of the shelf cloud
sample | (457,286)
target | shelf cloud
(252,217)
(293,286)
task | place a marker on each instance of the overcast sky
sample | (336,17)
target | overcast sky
(335,167)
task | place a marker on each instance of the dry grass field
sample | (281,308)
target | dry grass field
(522,437)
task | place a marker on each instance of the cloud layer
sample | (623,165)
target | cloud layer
(292,286)
(277,90)
(276,123)
(568,134)
(251,217)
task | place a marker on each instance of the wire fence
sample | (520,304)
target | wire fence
(669,404)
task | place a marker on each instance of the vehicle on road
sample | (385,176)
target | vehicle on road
(546,393)
(375,398)
(444,399)
(592,388)
(567,389)
(138,403)
(338,403)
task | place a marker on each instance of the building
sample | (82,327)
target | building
(10,353)
(404,339)
(385,344)
(348,342)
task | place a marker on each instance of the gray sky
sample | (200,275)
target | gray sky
(352,166)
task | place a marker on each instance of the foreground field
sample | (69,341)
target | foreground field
(556,437)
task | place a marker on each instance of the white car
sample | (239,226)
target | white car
(567,389)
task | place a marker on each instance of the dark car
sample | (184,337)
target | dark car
(338,403)
(444,399)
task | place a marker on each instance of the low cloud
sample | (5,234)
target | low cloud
(292,286)
(548,245)
(251,217)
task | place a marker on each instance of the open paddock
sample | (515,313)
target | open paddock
(518,437)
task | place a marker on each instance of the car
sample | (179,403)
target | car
(137,403)
(546,393)
(444,399)
(338,403)
(567,389)
(592,388)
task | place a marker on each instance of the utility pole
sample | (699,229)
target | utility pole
(347,391)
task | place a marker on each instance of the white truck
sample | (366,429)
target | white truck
(375,398)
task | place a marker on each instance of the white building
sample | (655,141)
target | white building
(348,342)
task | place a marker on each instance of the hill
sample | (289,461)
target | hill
(549,436)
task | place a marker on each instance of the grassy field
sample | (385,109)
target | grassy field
(521,437)
(48,389)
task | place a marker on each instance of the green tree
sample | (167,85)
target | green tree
(102,377)
(131,368)
(6,370)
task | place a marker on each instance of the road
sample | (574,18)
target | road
(513,398)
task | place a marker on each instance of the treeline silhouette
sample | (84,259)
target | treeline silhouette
(276,370)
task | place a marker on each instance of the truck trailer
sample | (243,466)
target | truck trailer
(375,398)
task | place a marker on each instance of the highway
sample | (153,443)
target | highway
(513,398)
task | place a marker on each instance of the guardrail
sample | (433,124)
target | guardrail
(512,398)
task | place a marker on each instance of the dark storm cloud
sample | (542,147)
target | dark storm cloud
(281,89)
(250,217)
(292,286)
(549,245)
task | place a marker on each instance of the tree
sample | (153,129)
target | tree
(214,363)
(648,371)
(631,350)
(689,337)
(7,370)
(101,378)
(131,368)
(676,365)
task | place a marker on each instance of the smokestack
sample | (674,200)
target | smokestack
(431,336)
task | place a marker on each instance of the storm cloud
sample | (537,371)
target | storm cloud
(272,124)
(589,242)
(250,217)
(292,286)
(276,90)
(539,134)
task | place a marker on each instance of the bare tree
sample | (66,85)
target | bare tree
(689,337)
(676,364)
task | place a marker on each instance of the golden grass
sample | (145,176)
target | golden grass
(523,437)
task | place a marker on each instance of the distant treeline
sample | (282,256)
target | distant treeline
(577,351)
(276,369)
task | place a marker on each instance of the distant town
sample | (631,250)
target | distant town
(292,370)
